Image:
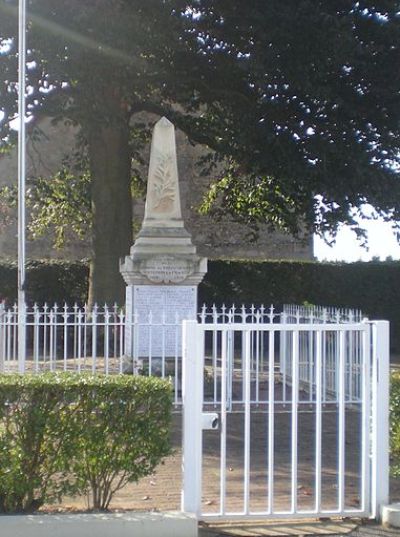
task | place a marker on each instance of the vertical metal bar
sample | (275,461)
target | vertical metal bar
(150,347)
(21,183)
(136,339)
(257,336)
(2,339)
(115,332)
(94,340)
(79,342)
(121,327)
(15,338)
(318,420)
(287,364)
(214,363)
(192,396)
(106,341)
(224,402)
(85,332)
(271,416)
(247,417)
(380,417)
(65,316)
(352,347)
(229,367)
(55,326)
(283,356)
(36,316)
(364,339)
(9,336)
(163,345)
(44,334)
(338,355)
(325,365)
(311,366)
(342,416)
(176,361)
(21,331)
(51,340)
(295,396)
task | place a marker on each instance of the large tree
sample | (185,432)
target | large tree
(299,98)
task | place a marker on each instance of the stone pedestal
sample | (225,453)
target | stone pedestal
(163,269)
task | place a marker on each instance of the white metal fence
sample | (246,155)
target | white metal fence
(78,339)
(305,453)
(288,389)
(293,314)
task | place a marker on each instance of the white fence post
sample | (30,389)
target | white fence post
(192,399)
(380,416)
(2,337)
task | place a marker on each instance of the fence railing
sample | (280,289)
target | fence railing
(312,315)
(82,339)
(334,446)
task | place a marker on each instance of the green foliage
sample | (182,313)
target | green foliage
(297,99)
(36,441)
(122,433)
(371,287)
(395,424)
(62,204)
(47,282)
(78,434)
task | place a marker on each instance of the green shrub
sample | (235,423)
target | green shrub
(36,440)
(78,434)
(395,423)
(123,432)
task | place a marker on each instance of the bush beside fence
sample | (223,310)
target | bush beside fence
(86,435)
(372,287)
(395,424)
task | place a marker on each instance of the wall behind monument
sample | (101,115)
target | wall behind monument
(214,239)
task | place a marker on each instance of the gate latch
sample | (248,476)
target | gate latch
(210,421)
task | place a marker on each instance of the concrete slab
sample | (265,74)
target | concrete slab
(127,524)
(391,515)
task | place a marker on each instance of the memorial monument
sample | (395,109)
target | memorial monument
(163,269)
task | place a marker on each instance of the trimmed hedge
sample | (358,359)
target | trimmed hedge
(395,424)
(373,287)
(78,434)
(46,281)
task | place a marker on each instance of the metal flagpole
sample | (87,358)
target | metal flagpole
(21,183)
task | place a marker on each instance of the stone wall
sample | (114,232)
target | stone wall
(215,240)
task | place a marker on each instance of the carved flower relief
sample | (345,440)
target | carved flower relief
(163,192)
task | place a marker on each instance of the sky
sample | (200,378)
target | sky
(382,243)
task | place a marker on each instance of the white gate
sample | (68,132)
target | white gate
(259,442)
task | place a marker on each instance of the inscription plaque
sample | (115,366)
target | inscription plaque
(165,269)
(160,310)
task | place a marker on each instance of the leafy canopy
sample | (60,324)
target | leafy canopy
(300,100)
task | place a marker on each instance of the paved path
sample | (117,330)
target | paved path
(339,529)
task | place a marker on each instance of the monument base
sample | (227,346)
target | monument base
(154,318)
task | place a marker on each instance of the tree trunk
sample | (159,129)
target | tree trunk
(110,168)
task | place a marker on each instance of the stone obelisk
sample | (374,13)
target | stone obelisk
(163,270)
